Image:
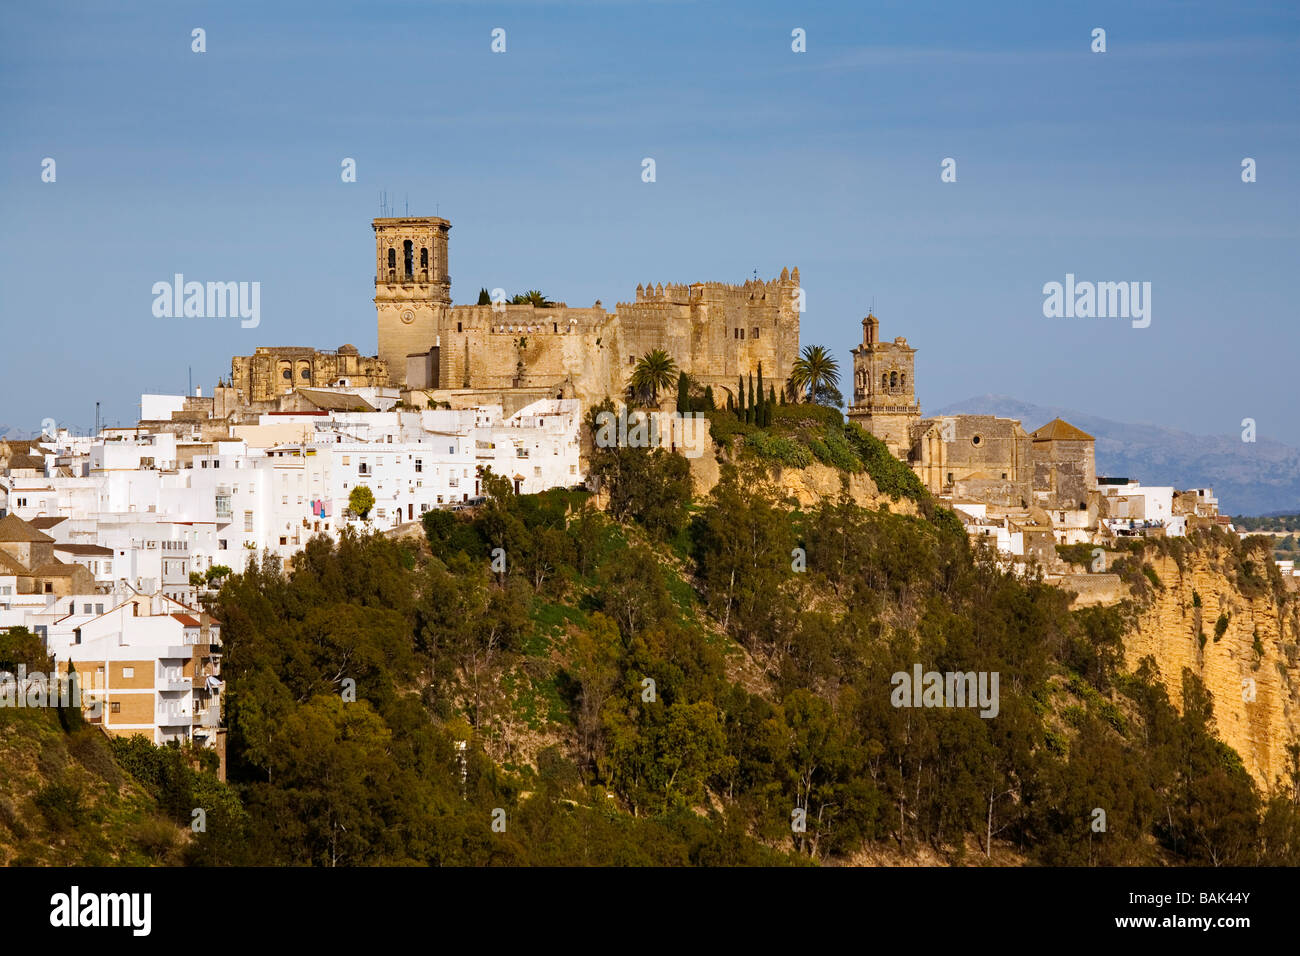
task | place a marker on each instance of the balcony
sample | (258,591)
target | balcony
(166,715)
(172,684)
(397,277)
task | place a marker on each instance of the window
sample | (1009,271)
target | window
(884,380)
(283,539)
(284,499)
(975,439)
(458,328)
(424,258)
(115,707)
(99,609)
(87,611)
(305,373)
(407,255)
(419,465)
(248,521)
(221,544)
(287,373)
(128,671)
(893,380)
(753,333)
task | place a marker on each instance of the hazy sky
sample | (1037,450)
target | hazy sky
(225,166)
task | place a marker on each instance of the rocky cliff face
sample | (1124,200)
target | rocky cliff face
(1240,636)
(809,486)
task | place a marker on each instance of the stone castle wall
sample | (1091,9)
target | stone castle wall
(714,332)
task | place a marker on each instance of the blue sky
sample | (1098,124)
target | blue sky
(225,166)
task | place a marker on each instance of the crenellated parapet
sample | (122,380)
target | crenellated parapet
(716,332)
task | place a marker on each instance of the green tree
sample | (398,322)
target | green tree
(683,393)
(360,500)
(654,371)
(483,297)
(217,572)
(814,368)
(532,297)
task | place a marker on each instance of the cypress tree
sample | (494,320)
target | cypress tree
(708,399)
(683,394)
(749,409)
(740,400)
(771,402)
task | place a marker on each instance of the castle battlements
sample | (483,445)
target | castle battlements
(714,331)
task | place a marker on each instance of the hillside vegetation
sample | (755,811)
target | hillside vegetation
(664,685)
(673,682)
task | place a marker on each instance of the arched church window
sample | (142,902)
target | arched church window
(884,380)
(424,258)
(902,380)
(392,258)
(408,256)
(893,380)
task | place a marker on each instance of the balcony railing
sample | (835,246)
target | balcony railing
(172,716)
(401,278)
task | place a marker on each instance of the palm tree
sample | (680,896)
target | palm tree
(814,369)
(532,297)
(654,370)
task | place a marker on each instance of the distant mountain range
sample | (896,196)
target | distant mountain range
(1250,478)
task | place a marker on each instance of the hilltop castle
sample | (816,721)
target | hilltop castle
(512,355)
(714,332)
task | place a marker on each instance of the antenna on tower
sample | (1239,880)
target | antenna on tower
(408,204)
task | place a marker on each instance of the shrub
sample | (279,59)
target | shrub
(61,804)
(1220,626)
(891,476)
(781,450)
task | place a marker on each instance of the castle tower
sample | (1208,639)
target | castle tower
(884,389)
(412,286)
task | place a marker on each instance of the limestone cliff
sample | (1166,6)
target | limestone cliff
(809,485)
(1237,630)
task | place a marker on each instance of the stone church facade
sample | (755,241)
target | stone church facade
(979,458)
